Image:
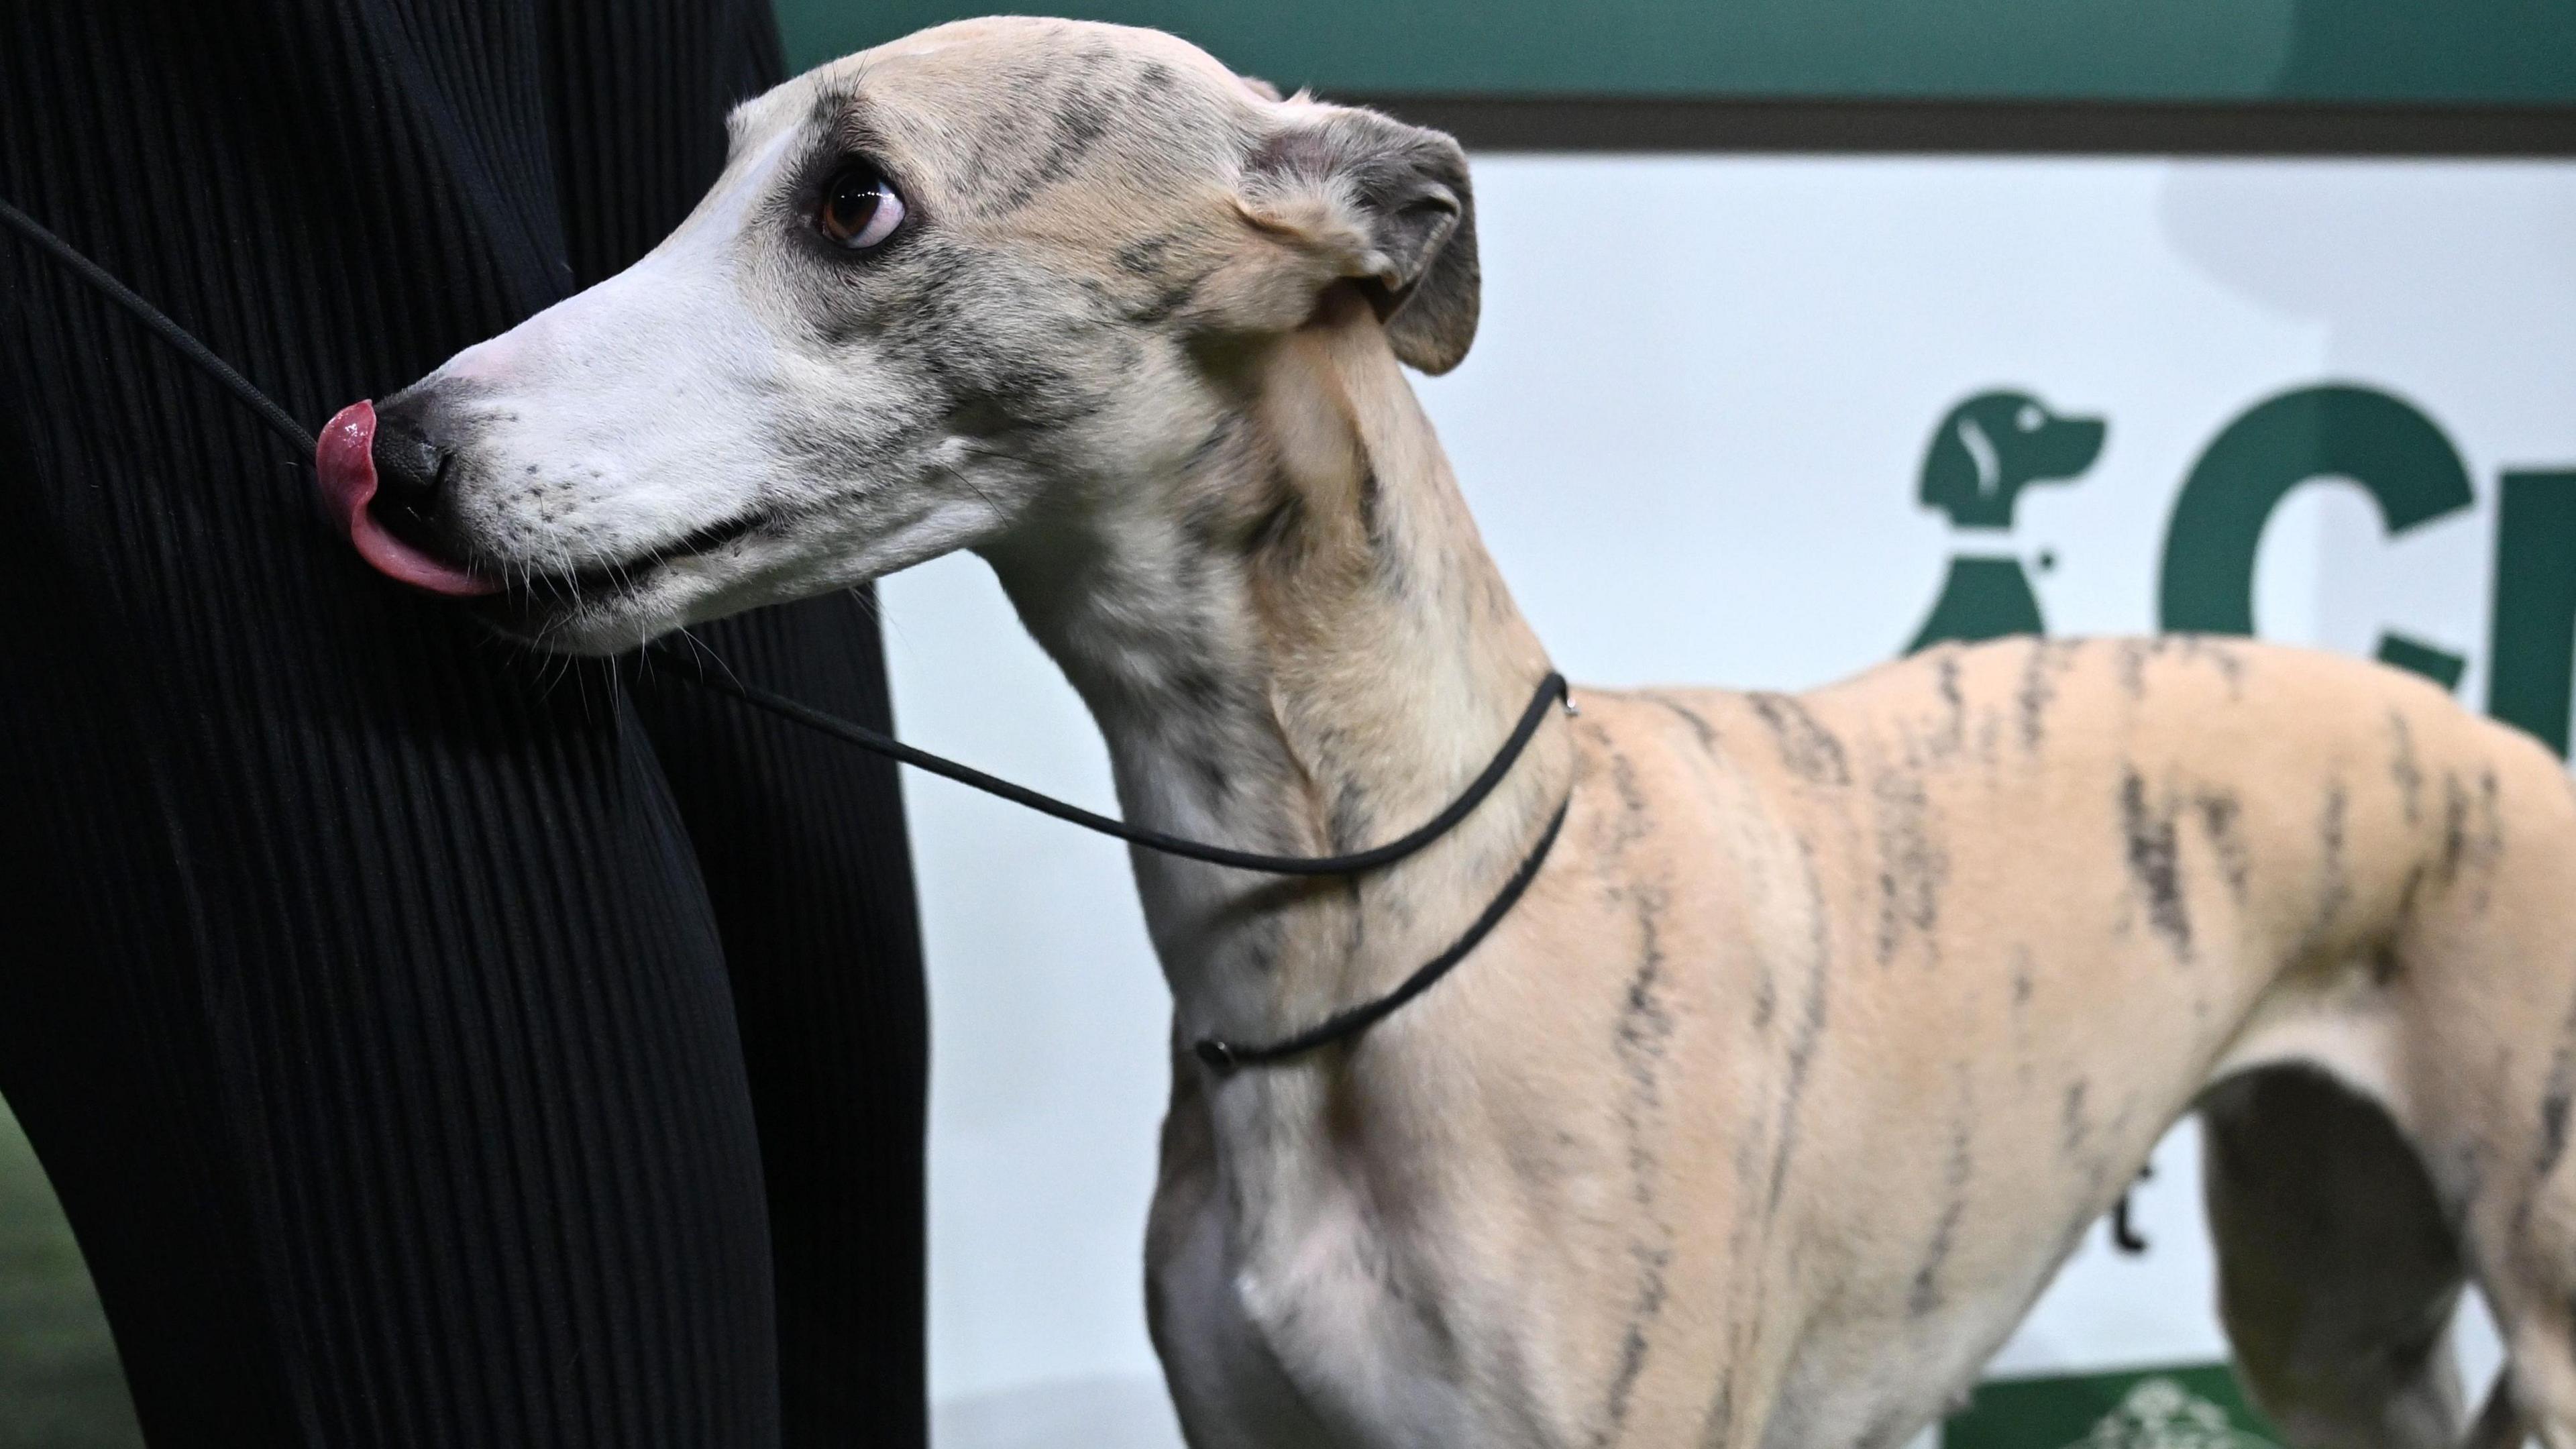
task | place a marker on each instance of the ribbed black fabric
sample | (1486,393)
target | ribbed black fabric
(364,983)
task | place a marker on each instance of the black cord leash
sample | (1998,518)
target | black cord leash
(1218,1053)
(278,419)
(1225,1056)
(1221,1055)
(1551,690)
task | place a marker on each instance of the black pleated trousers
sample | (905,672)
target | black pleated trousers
(431,1045)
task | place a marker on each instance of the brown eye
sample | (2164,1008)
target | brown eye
(860,208)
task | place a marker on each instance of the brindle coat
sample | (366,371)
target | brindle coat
(1833,1020)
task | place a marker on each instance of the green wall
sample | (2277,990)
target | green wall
(2399,51)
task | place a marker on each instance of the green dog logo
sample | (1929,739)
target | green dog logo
(1992,446)
(1985,452)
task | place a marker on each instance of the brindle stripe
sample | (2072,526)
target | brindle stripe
(2132,667)
(2220,813)
(1953,734)
(2334,875)
(2455,827)
(2073,1124)
(2047,659)
(2555,1099)
(2153,850)
(1810,1033)
(2403,767)
(1926,1295)
(1699,725)
(1811,751)
(1914,866)
(1652,1266)
(1644,1032)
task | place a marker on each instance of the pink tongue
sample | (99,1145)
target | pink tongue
(346,459)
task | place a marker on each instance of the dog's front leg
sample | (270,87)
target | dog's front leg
(1226,1385)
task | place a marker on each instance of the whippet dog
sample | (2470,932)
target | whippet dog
(1832,1021)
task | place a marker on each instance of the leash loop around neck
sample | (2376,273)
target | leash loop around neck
(1219,1054)
(1551,690)
(1226,1056)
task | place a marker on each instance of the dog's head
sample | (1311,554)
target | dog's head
(943,290)
(1996,444)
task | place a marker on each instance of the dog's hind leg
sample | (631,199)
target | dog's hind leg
(2490,1018)
(2532,1288)
(2338,1273)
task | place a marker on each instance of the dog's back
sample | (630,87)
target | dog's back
(2061,888)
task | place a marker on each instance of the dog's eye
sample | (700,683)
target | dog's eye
(860,209)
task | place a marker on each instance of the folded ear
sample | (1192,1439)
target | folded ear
(1381,203)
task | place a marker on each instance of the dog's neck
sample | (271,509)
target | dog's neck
(1295,642)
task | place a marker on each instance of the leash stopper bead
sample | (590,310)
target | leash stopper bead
(1218,1055)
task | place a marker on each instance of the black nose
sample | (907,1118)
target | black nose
(411,472)
(408,464)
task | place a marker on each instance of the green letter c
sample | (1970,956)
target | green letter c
(2397,455)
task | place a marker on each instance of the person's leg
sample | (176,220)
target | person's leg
(359,990)
(800,838)
(129,1120)
(378,1038)
(801,841)
(366,1010)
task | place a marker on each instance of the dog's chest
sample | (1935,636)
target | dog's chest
(1304,1341)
